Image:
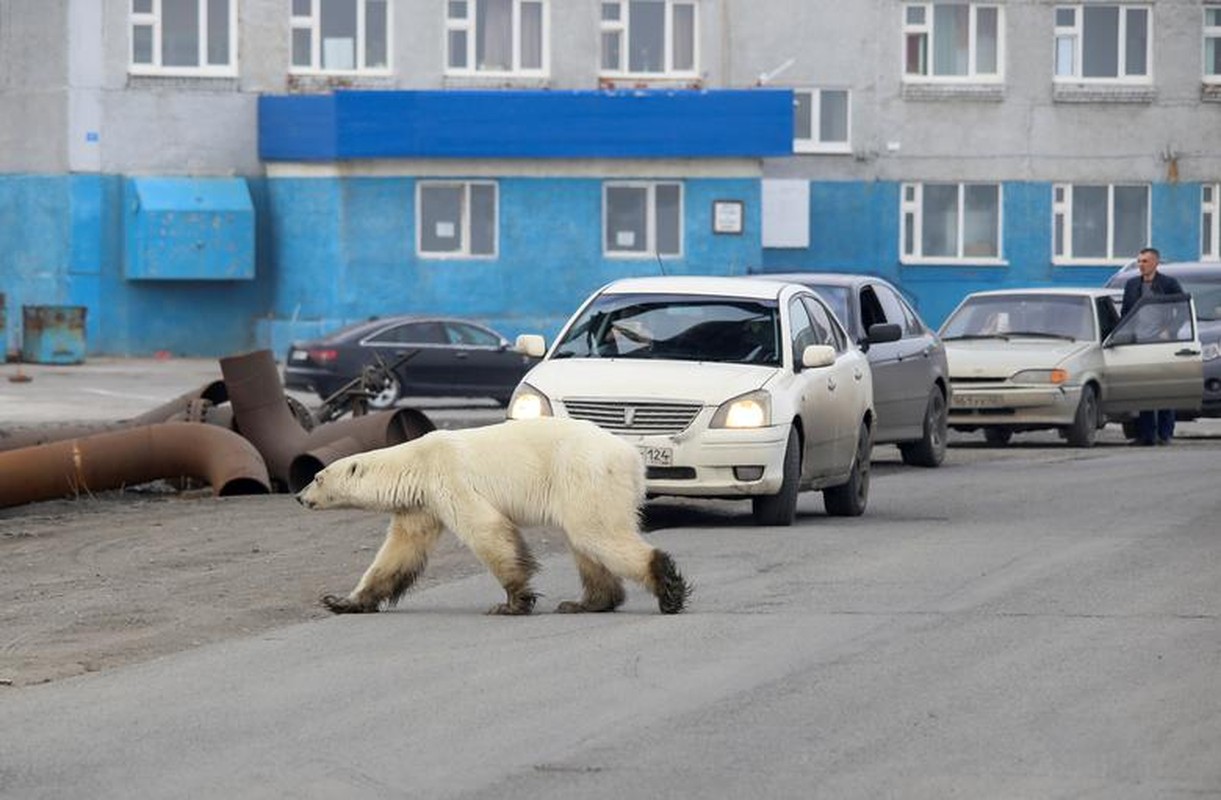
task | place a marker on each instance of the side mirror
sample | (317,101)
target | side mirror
(817,355)
(531,344)
(882,332)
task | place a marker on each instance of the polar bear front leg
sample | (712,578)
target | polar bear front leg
(402,557)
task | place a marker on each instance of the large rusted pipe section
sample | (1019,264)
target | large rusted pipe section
(221,458)
(261,412)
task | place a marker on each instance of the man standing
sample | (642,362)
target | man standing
(1152,427)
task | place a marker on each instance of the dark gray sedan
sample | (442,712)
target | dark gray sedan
(911,382)
(447,357)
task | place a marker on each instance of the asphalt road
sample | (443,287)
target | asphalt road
(1032,621)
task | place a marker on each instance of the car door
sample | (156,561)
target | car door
(425,372)
(1153,358)
(900,368)
(817,390)
(843,380)
(481,363)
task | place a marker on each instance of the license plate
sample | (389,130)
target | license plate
(657,456)
(298,355)
(976,401)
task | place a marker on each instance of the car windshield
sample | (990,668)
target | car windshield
(677,328)
(836,297)
(1007,316)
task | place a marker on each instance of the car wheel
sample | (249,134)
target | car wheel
(930,450)
(780,508)
(997,436)
(1084,430)
(388,396)
(849,499)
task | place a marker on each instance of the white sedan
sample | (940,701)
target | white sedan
(730,388)
(1060,358)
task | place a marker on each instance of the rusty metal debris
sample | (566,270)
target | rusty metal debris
(241,435)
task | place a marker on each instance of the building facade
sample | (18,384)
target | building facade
(209,176)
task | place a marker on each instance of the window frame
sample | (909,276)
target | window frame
(1210,222)
(469,23)
(1076,34)
(622,28)
(911,220)
(464,252)
(1062,221)
(815,144)
(650,249)
(1210,32)
(313,23)
(926,29)
(154,20)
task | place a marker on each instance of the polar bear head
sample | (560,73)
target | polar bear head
(374,480)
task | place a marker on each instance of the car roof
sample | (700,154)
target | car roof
(358,330)
(1175,269)
(720,286)
(1062,291)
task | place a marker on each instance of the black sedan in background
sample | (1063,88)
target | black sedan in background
(911,382)
(453,358)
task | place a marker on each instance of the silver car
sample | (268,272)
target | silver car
(911,384)
(1059,358)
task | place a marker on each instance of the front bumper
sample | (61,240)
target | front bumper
(975,405)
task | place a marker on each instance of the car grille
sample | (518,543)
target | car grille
(642,418)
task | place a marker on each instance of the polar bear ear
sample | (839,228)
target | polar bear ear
(353,469)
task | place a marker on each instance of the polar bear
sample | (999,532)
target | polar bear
(482,484)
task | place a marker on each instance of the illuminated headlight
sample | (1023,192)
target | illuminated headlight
(1052,376)
(1211,350)
(528,403)
(753,410)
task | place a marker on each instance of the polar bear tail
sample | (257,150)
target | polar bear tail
(668,584)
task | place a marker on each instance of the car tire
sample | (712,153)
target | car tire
(997,436)
(388,396)
(781,508)
(1084,430)
(929,451)
(849,499)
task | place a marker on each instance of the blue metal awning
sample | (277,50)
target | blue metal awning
(751,123)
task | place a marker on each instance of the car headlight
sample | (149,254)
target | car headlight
(751,410)
(1052,376)
(528,403)
(1211,351)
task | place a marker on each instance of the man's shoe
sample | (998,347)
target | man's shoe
(1165,441)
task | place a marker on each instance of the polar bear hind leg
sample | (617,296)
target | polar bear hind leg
(399,562)
(603,589)
(626,555)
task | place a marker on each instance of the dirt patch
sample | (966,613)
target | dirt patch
(122,577)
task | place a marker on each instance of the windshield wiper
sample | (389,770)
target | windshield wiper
(976,336)
(1042,335)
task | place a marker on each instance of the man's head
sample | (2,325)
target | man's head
(1147,261)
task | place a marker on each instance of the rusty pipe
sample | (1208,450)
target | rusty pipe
(111,460)
(344,437)
(190,406)
(261,412)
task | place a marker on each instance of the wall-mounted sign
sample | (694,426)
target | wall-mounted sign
(727,216)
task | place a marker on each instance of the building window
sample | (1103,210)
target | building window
(642,219)
(951,221)
(1103,43)
(953,41)
(1210,222)
(1098,224)
(496,36)
(340,35)
(183,37)
(1212,44)
(649,38)
(820,121)
(456,219)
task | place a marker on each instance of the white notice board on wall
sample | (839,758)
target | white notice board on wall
(786,213)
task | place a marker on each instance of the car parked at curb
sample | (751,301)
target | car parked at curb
(1061,358)
(1201,280)
(911,385)
(730,388)
(435,357)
